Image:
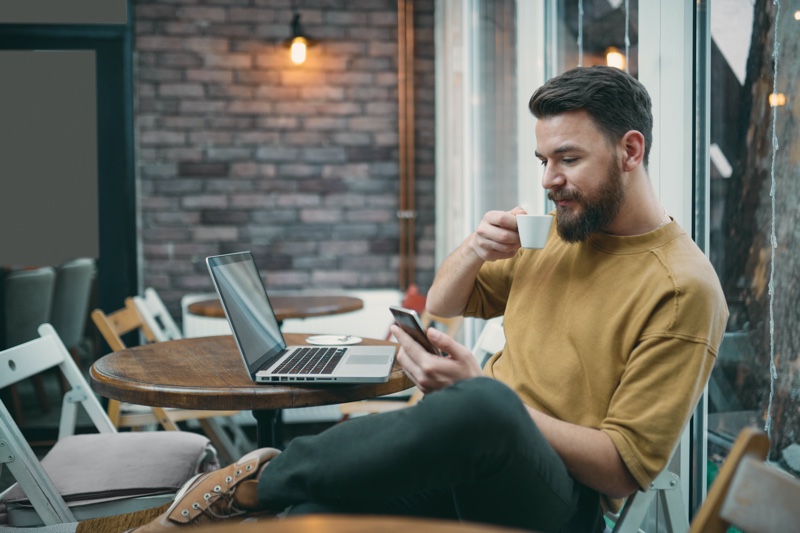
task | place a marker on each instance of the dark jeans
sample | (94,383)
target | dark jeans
(470,452)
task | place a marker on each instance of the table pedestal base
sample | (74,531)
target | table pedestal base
(269,429)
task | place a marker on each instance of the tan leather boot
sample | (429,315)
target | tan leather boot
(214,496)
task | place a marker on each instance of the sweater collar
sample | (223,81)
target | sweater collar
(614,244)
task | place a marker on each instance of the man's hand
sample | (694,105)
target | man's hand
(431,372)
(496,236)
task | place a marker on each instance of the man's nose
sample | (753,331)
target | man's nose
(551,178)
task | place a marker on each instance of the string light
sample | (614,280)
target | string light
(614,58)
(777,99)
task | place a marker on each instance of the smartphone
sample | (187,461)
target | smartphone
(408,320)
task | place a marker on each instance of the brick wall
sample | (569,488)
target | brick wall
(240,149)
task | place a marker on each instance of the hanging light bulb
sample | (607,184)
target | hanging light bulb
(298,43)
(614,58)
(298,50)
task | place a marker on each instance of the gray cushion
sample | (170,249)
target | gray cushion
(121,465)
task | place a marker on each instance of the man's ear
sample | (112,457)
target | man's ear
(633,145)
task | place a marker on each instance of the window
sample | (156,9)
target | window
(748,105)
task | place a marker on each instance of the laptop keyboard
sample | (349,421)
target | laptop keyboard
(311,361)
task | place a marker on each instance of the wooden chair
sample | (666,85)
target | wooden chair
(123,321)
(750,494)
(89,475)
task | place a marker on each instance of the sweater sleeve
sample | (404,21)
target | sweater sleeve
(657,394)
(492,287)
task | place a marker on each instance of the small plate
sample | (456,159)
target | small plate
(333,340)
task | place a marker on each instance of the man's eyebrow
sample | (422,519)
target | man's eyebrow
(560,150)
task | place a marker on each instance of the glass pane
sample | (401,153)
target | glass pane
(494,108)
(742,217)
(593,32)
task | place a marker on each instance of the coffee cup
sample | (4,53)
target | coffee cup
(533,230)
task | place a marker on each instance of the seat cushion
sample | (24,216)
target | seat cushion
(111,466)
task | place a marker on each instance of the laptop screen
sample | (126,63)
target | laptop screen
(248,309)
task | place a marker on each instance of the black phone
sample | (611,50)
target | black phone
(408,320)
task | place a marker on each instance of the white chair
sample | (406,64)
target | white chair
(91,475)
(665,488)
(155,315)
(490,341)
(201,326)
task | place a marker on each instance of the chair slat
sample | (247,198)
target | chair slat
(27,360)
(762,498)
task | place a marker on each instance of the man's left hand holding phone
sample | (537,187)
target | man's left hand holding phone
(429,370)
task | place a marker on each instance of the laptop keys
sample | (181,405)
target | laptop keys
(311,361)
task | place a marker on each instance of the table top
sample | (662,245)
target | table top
(354,524)
(208,373)
(288,306)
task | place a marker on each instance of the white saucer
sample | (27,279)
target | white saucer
(333,340)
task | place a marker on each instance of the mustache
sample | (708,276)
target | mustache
(564,195)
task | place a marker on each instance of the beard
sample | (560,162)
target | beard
(598,211)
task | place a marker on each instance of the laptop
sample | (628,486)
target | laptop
(258,336)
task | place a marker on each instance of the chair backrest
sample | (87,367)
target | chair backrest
(748,493)
(121,322)
(155,314)
(45,352)
(28,299)
(490,341)
(70,307)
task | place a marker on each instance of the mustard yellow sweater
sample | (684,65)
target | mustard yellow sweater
(616,333)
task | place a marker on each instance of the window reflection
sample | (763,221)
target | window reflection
(742,175)
(593,32)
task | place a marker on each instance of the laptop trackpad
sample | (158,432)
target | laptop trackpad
(368,360)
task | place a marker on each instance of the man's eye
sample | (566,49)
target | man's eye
(569,160)
(543,162)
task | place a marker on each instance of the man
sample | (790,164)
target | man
(611,333)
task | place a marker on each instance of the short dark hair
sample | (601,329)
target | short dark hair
(616,101)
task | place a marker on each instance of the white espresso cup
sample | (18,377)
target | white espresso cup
(533,230)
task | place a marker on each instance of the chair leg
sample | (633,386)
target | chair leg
(16,404)
(76,356)
(221,441)
(41,393)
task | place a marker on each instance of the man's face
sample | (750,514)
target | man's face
(583,174)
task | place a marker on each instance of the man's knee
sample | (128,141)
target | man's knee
(484,404)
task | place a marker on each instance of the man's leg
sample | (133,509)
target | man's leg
(475,440)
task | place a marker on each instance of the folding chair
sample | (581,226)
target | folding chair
(92,475)
(155,314)
(126,320)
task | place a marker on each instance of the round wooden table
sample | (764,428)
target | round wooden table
(354,524)
(288,306)
(208,373)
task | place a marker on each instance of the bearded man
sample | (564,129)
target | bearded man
(611,333)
